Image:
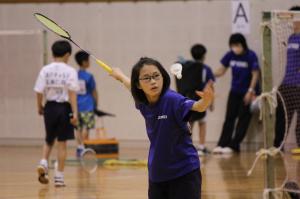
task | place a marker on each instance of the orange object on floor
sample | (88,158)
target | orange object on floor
(105,147)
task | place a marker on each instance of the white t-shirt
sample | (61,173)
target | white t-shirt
(55,80)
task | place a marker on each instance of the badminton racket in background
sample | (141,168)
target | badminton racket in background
(87,160)
(54,27)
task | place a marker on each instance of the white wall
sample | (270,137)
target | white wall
(120,33)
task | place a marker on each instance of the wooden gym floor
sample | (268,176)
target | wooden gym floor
(224,177)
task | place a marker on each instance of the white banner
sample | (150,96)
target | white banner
(240,16)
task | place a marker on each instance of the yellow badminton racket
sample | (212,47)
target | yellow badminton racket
(54,27)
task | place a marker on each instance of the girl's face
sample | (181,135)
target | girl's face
(151,82)
(237,49)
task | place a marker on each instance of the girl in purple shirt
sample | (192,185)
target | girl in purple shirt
(173,163)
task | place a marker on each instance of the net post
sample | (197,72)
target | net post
(267,84)
(45,53)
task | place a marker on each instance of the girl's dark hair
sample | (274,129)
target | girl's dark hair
(198,51)
(238,38)
(138,94)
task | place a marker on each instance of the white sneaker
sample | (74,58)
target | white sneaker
(217,150)
(200,153)
(227,150)
(59,181)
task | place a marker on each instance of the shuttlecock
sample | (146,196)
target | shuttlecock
(176,69)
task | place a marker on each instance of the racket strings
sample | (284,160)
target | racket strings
(89,160)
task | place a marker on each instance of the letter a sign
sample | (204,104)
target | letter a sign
(240,16)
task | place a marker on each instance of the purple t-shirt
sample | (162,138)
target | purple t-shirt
(171,152)
(292,71)
(241,67)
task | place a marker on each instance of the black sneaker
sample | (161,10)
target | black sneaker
(292,186)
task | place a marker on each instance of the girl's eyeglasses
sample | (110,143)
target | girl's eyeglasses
(147,79)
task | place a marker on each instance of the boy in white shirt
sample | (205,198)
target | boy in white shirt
(57,86)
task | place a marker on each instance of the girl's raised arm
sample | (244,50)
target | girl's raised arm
(120,76)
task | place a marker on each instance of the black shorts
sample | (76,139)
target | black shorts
(195,116)
(57,122)
(187,186)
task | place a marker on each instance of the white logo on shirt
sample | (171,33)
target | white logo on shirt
(82,87)
(240,64)
(294,46)
(162,117)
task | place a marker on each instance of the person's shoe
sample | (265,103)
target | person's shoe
(43,174)
(78,152)
(203,151)
(291,185)
(200,153)
(206,151)
(227,150)
(217,150)
(59,181)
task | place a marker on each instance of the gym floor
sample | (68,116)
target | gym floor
(223,177)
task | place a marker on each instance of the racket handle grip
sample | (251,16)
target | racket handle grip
(103,65)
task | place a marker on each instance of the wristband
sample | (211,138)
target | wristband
(251,90)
